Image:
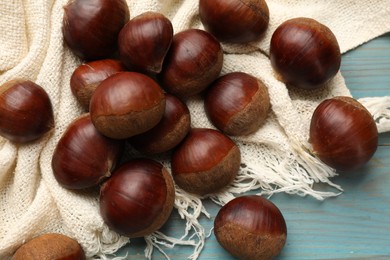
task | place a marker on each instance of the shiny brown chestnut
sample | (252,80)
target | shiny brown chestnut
(194,60)
(83,157)
(205,162)
(235,21)
(126,104)
(237,103)
(251,227)
(88,76)
(304,53)
(91,27)
(50,246)
(144,42)
(138,198)
(169,132)
(343,133)
(26,112)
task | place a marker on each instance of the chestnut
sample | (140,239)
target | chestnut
(304,53)
(343,133)
(91,27)
(251,227)
(237,103)
(88,76)
(205,162)
(26,112)
(138,198)
(126,104)
(169,132)
(83,157)
(50,246)
(234,21)
(144,42)
(194,60)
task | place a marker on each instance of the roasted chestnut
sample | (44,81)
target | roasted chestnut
(169,132)
(88,76)
(237,103)
(304,53)
(91,27)
(83,157)
(251,227)
(144,41)
(343,133)
(127,104)
(50,246)
(194,60)
(234,21)
(205,162)
(138,198)
(26,112)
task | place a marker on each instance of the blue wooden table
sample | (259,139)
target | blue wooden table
(354,225)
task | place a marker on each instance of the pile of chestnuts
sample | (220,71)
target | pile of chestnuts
(133,86)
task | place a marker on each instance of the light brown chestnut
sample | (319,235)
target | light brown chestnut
(169,132)
(91,27)
(83,157)
(304,53)
(144,41)
(205,162)
(237,103)
(194,60)
(343,133)
(127,104)
(234,21)
(88,76)
(138,198)
(50,246)
(26,112)
(251,227)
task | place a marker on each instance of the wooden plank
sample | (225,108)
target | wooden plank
(355,224)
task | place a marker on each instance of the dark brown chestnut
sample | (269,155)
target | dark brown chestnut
(169,132)
(144,42)
(304,53)
(126,104)
(26,112)
(205,162)
(343,133)
(194,60)
(91,27)
(251,227)
(234,21)
(237,103)
(88,76)
(83,157)
(50,246)
(138,198)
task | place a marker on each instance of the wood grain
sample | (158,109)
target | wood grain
(354,225)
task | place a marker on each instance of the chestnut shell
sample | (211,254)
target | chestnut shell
(138,198)
(304,53)
(127,104)
(169,132)
(343,133)
(88,76)
(205,162)
(237,103)
(83,157)
(234,21)
(91,27)
(26,112)
(251,227)
(193,62)
(144,42)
